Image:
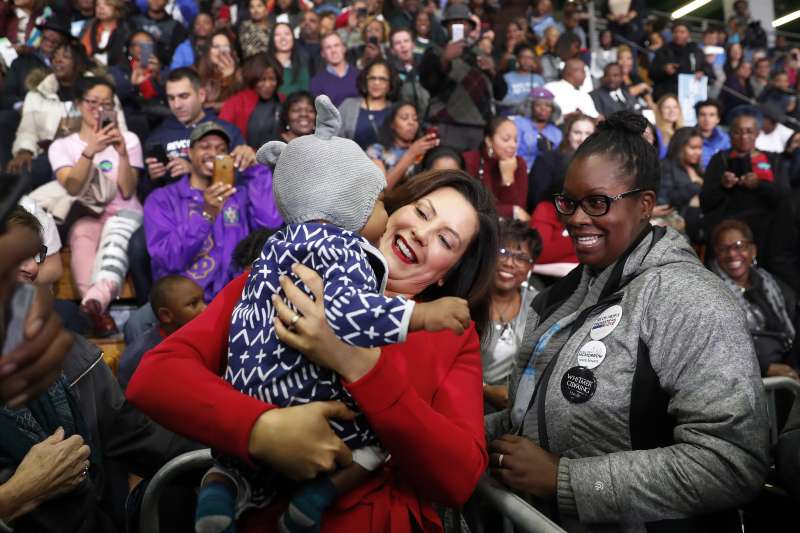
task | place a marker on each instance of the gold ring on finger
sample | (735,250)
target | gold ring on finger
(295,319)
(219,199)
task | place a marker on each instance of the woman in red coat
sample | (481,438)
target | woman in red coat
(499,167)
(255,110)
(423,398)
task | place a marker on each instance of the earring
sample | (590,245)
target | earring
(440,283)
(490,150)
(755,261)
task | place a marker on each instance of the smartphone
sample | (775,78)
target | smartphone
(739,166)
(145,53)
(158,152)
(432,130)
(361,11)
(107,117)
(223,170)
(21,303)
(374,40)
(458,33)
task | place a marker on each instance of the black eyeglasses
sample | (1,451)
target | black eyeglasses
(518,257)
(41,255)
(738,246)
(594,205)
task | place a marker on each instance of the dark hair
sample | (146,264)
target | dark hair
(473,275)
(679,140)
(297,63)
(20,217)
(564,45)
(294,8)
(87,83)
(439,152)
(761,60)
(524,46)
(609,65)
(620,137)
(520,232)
(160,294)
(205,68)
(678,23)
(492,126)
(731,224)
(402,29)
(185,73)
(255,66)
(386,133)
(249,249)
(654,131)
(283,118)
(78,53)
(394,79)
(564,148)
(708,103)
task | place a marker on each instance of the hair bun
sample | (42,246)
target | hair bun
(625,122)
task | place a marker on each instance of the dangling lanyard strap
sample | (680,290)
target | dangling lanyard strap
(527,381)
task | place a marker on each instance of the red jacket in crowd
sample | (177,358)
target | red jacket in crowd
(507,196)
(556,246)
(423,399)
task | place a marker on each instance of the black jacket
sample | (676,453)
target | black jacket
(690,60)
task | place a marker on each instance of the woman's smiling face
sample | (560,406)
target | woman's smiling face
(601,240)
(425,239)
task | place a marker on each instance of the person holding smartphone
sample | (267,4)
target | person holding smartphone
(100,151)
(193,226)
(746,184)
(460,107)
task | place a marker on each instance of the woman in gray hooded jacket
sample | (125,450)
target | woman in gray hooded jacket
(636,400)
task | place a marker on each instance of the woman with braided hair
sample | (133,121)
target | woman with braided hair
(636,395)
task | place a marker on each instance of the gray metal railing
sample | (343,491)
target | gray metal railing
(770,386)
(187,462)
(518,515)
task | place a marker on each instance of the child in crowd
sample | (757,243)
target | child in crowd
(328,192)
(175,301)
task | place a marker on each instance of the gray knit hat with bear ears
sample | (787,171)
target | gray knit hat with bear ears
(322,176)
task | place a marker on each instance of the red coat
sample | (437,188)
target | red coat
(238,108)
(506,197)
(556,248)
(423,399)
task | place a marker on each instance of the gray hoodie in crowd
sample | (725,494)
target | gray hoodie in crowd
(680,322)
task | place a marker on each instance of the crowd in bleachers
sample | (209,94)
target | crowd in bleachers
(122,116)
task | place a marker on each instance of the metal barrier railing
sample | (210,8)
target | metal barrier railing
(518,515)
(187,462)
(770,386)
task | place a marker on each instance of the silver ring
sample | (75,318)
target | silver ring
(295,319)
(500,461)
(85,471)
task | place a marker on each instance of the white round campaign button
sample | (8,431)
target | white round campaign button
(591,354)
(606,323)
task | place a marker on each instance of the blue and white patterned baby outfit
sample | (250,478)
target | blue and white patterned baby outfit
(354,276)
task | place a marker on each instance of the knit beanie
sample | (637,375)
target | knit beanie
(322,176)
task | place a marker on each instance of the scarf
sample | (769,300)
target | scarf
(764,289)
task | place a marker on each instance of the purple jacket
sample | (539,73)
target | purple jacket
(181,241)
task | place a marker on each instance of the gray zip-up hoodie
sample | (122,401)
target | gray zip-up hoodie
(680,322)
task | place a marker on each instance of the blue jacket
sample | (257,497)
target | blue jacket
(528,138)
(260,365)
(188,9)
(716,142)
(183,56)
(173,135)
